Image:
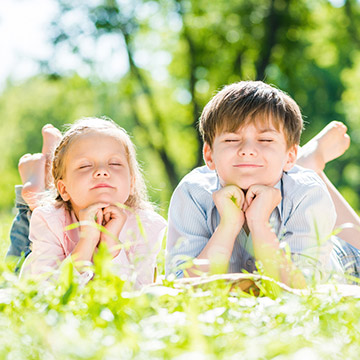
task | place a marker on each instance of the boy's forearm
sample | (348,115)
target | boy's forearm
(217,252)
(273,259)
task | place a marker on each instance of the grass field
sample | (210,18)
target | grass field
(105,320)
(5,223)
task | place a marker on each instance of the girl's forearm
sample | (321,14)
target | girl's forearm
(84,249)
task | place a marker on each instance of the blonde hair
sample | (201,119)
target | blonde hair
(139,198)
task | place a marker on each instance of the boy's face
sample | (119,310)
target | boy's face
(251,155)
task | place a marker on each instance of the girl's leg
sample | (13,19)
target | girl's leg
(329,144)
(34,169)
(19,232)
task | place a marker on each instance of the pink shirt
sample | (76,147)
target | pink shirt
(51,243)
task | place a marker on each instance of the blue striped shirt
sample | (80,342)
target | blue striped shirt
(303,220)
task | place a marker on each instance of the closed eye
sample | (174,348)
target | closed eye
(115,164)
(84,166)
(231,140)
(266,140)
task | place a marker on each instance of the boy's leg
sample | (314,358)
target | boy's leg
(348,257)
(345,215)
(329,144)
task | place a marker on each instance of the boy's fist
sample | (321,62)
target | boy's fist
(229,202)
(259,203)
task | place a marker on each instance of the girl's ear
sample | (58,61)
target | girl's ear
(61,187)
(208,157)
(291,157)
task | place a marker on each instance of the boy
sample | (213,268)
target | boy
(250,200)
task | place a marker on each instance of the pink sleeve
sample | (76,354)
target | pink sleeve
(47,251)
(139,262)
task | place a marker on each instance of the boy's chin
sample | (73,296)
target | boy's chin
(245,186)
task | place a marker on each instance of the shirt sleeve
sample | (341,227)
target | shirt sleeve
(307,233)
(188,229)
(47,252)
(142,243)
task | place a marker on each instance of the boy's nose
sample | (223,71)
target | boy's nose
(247,149)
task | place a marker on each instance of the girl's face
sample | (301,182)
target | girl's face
(96,171)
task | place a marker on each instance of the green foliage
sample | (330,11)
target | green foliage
(178,53)
(105,319)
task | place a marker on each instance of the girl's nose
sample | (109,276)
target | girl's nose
(102,172)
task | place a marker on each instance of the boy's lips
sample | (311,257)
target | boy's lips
(247,166)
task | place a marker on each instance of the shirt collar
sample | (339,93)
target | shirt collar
(279,186)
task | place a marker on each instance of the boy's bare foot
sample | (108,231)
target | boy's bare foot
(32,172)
(34,169)
(51,138)
(327,145)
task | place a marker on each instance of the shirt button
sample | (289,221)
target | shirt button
(249,262)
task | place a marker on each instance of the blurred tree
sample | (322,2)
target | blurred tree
(165,58)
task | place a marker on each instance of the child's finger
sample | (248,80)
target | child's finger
(235,195)
(113,210)
(99,216)
(250,196)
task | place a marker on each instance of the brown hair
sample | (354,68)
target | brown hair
(139,198)
(253,102)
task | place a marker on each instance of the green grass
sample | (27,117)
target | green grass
(5,224)
(105,320)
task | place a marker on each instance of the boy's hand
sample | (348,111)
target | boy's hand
(92,213)
(229,202)
(113,220)
(259,203)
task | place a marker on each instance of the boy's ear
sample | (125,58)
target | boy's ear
(61,187)
(292,157)
(208,157)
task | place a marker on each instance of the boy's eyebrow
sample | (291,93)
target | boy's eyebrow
(268,130)
(261,131)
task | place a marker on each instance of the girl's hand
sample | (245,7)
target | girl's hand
(229,202)
(113,220)
(91,214)
(89,234)
(260,201)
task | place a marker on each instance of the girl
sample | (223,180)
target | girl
(95,172)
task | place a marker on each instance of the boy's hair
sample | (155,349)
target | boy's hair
(251,102)
(139,198)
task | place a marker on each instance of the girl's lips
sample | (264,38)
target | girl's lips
(102,185)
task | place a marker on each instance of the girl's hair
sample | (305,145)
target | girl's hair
(139,198)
